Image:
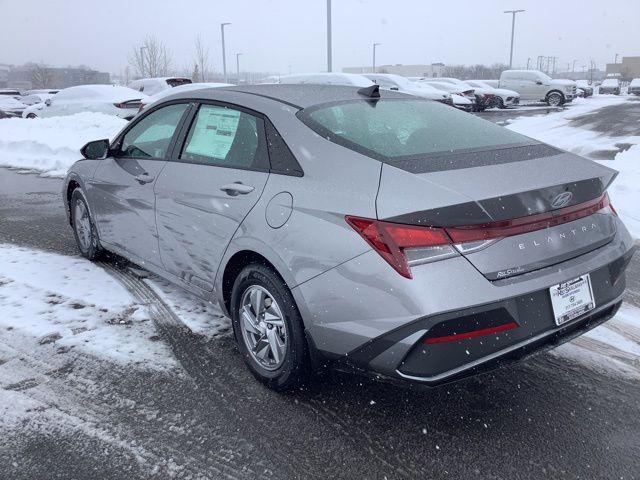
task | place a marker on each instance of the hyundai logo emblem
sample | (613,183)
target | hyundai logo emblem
(562,200)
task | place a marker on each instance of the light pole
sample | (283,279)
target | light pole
(238,66)
(142,60)
(573,69)
(616,60)
(513,27)
(373,65)
(528,62)
(224,54)
(328,35)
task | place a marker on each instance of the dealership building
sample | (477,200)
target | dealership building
(627,69)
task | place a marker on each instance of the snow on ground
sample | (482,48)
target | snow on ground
(70,303)
(203,318)
(51,145)
(556,130)
(611,348)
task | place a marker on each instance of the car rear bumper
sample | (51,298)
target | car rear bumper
(366,317)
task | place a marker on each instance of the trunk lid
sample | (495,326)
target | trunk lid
(476,188)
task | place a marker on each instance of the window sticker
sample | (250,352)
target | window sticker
(213,132)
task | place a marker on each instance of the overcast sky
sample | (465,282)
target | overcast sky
(273,34)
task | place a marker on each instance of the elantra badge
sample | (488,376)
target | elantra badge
(562,200)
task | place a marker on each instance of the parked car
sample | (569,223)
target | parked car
(151,86)
(32,111)
(110,99)
(326,78)
(609,85)
(10,106)
(484,97)
(35,98)
(42,91)
(491,83)
(536,86)
(181,88)
(401,84)
(357,227)
(634,87)
(10,92)
(463,99)
(585,87)
(502,98)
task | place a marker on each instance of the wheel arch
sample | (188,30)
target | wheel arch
(71,185)
(234,265)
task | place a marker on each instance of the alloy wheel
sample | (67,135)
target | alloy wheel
(555,99)
(263,327)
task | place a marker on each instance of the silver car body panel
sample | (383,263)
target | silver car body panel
(183,227)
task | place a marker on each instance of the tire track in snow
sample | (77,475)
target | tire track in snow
(197,362)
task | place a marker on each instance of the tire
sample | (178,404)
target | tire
(555,99)
(84,229)
(32,115)
(500,103)
(259,285)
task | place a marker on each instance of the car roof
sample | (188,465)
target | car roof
(295,95)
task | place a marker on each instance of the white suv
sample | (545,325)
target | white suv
(533,85)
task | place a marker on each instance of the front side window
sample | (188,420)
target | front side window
(225,137)
(392,128)
(151,136)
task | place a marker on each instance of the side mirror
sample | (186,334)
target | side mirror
(47,102)
(96,150)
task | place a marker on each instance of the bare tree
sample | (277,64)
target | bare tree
(195,74)
(151,59)
(202,60)
(41,76)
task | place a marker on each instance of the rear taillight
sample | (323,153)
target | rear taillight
(404,246)
(120,105)
(530,223)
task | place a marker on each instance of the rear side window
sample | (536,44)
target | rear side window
(226,137)
(393,129)
(151,136)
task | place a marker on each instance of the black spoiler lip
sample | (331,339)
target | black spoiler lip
(506,207)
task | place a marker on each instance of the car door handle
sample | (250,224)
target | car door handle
(143,178)
(237,188)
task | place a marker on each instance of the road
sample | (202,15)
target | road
(545,418)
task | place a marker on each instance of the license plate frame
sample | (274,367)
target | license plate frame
(572,299)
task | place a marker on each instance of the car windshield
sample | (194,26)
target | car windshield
(394,128)
(544,77)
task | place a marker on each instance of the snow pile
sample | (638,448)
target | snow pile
(53,144)
(555,130)
(625,191)
(67,302)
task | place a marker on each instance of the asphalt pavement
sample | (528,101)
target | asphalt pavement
(545,418)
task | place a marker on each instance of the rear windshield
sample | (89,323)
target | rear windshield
(393,129)
(176,82)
